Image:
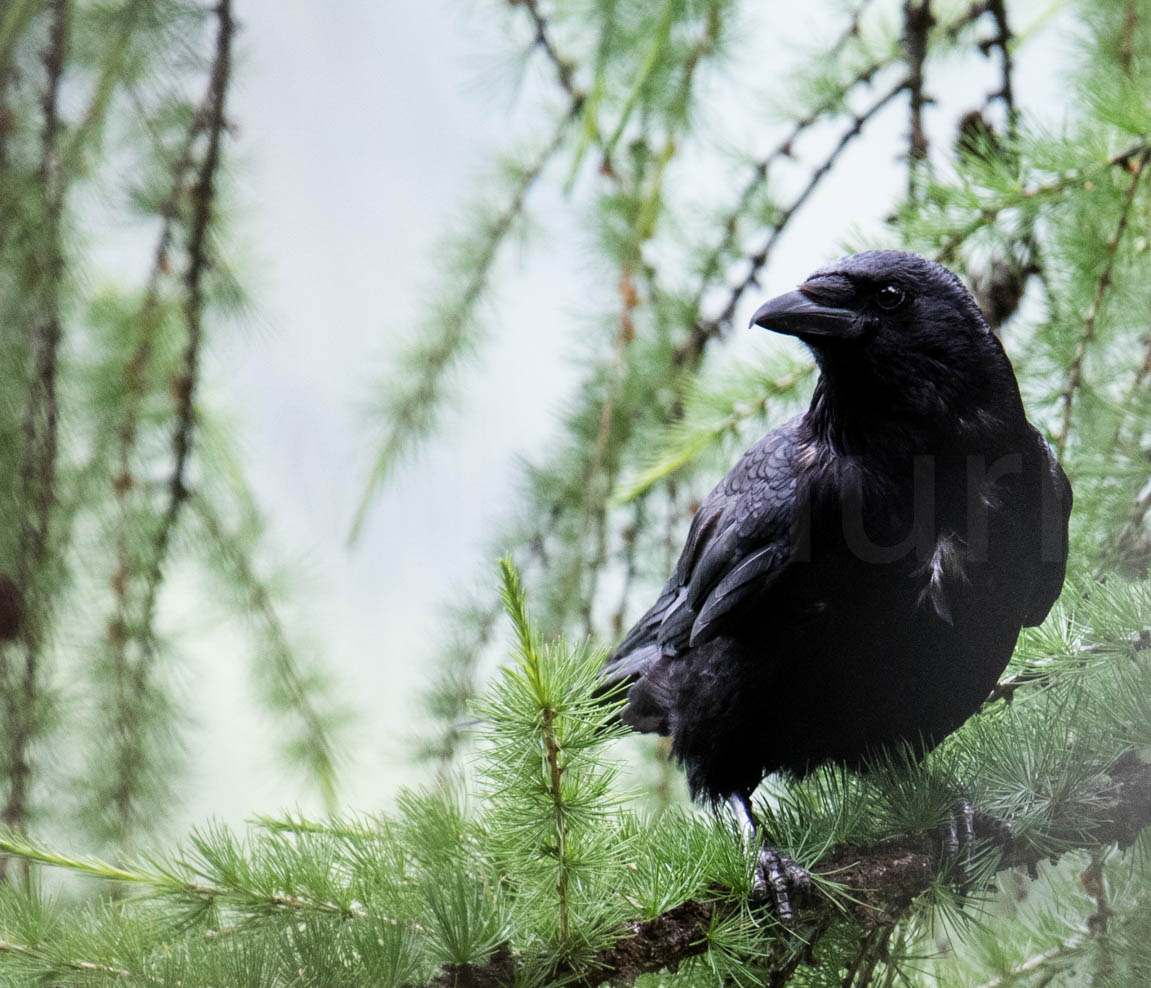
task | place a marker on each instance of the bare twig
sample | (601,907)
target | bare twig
(917,24)
(705,330)
(1002,40)
(763,168)
(563,68)
(203,201)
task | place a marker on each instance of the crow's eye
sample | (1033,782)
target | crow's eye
(890,297)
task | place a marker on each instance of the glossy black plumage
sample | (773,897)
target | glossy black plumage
(860,577)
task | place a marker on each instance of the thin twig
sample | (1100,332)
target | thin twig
(130,681)
(203,201)
(1075,371)
(120,627)
(1127,36)
(433,366)
(289,678)
(1070,179)
(596,493)
(1008,686)
(82,967)
(917,24)
(1037,962)
(630,545)
(1003,40)
(762,171)
(705,330)
(563,68)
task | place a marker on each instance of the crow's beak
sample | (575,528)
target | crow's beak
(798,314)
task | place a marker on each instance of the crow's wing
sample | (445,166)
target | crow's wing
(1054,511)
(739,542)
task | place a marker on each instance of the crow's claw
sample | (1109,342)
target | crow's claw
(957,838)
(780,879)
(959,835)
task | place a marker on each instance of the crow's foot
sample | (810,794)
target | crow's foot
(957,835)
(957,838)
(780,879)
(777,877)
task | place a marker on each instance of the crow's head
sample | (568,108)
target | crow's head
(894,330)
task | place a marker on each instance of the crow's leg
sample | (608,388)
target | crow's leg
(958,834)
(957,838)
(776,875)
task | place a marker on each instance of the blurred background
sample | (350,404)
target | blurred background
(365,135)
(316,311)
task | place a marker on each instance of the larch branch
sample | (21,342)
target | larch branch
(203,202)
(1003,40)
(989,212)
(917,24)
(563,68)
(705,330)
(1075,370)
(879,883)
(41,427)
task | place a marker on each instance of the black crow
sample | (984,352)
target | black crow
(858,580)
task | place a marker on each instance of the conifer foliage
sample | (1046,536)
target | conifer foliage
(115,476)
(536,858)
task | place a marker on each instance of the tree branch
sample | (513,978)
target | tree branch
(763,168)
(563,68)
(41,428)
(705,330)
(1002,40)
(989,212)
(1075,371)
(917,21)
(130,680)
(405,423)
(879,883)
(119,626)
(203,200)
(289,676)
